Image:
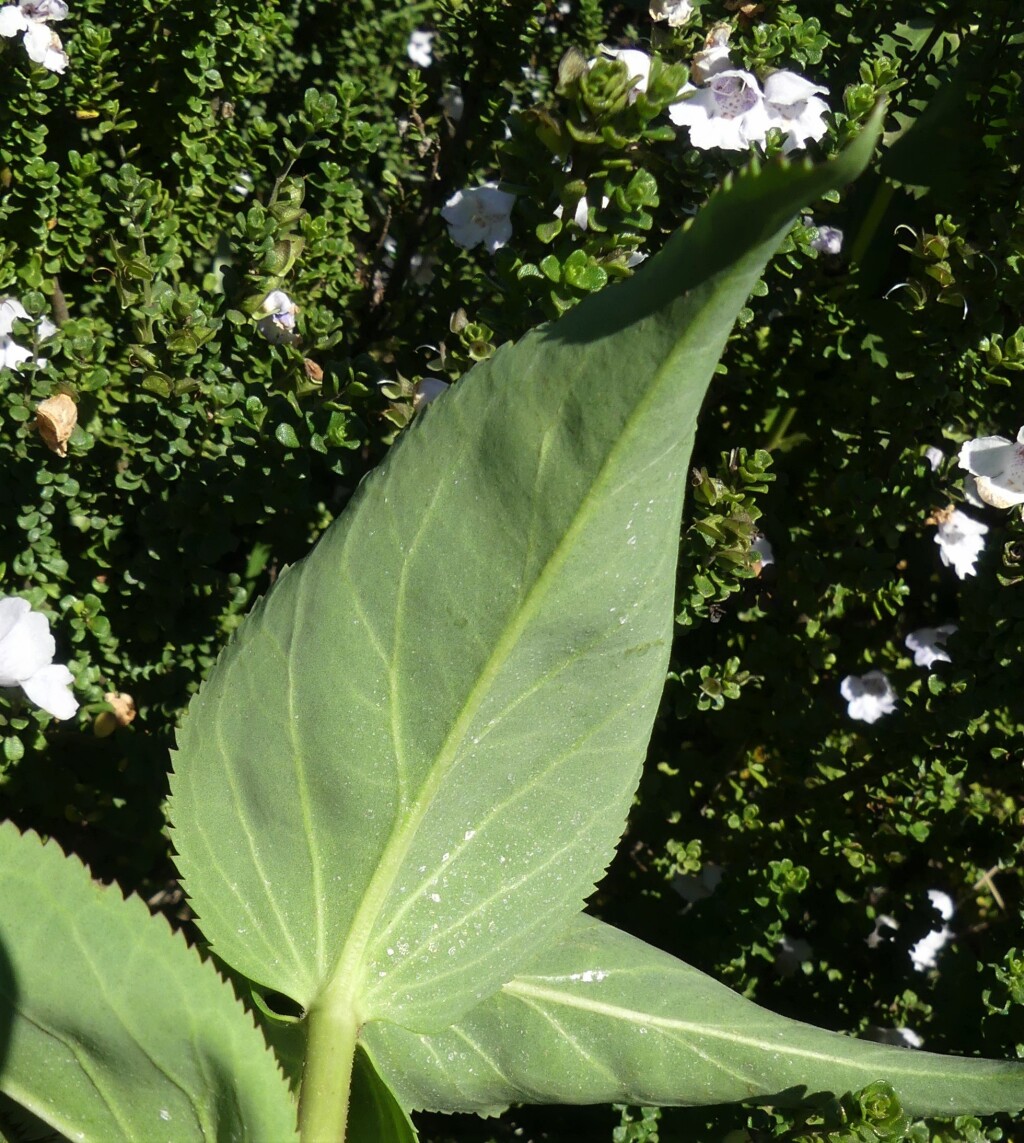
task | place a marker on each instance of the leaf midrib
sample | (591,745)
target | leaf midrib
(538,993)
(345,986)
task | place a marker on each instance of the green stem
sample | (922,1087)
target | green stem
(872,220)
(780,429)
(327,1072)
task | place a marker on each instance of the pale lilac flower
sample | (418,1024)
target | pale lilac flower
(827,240)
(428,389)
(44,9)
(868,696)
(961,540)
(677,12)
(638,65)
(998,467)
(420,48)
(40,41)
(480,214)
(452,103)
(278,323)
(13,355)
(728,113)
(793,106)
(694,887)
(26,659)
(925,952)
(929,644)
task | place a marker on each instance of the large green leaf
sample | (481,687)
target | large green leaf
(418,753)
(601,1017)
(111,1028)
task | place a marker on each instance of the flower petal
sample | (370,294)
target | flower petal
(12,21)
(984,456)
(26,647)
(49,688)
(11,309)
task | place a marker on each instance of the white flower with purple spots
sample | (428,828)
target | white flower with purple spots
(29,19)
(728,112)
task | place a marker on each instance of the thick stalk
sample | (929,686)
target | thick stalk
(327,1072)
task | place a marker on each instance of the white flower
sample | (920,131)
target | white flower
(480,214)
(243,188)
(763,549)
(934,456)
(44,9)
(794,107)
(428,389)
(40,42)
(868,696)
(420,48)
(928,644)
(961,540)
(278,324)
(13,355)
(638,65)
(581,215)
(26,658)
(729,112)
(924,953)
(790,954)
(828,240)
(694,887)
(998,465)
(677,12)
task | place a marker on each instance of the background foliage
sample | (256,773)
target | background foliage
(196,156)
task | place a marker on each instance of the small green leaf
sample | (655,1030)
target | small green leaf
(582,273)
(286,435)
(158,383)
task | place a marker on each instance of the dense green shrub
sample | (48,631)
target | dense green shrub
(194,158)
